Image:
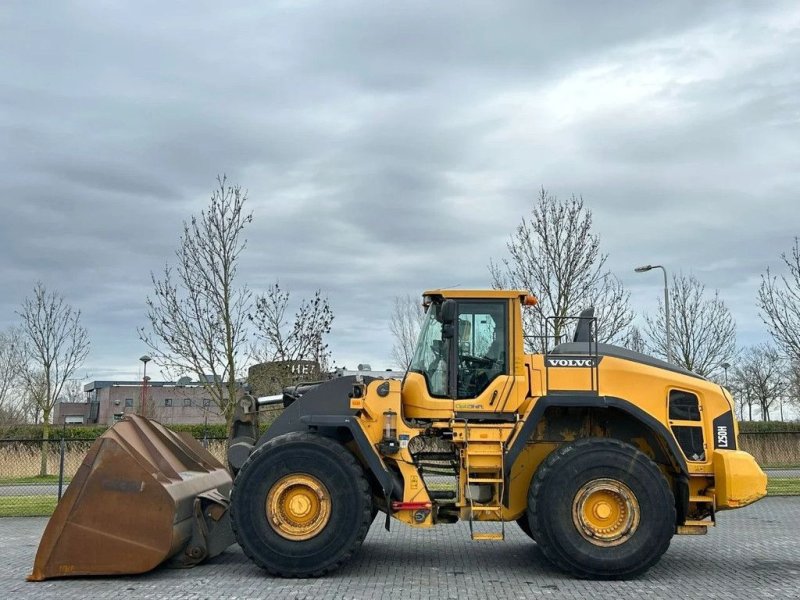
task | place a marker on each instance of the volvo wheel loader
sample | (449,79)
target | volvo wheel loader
(598,453)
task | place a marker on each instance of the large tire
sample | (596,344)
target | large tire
(601,509)
(525,525)
(332,534)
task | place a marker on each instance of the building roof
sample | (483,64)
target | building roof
(459,293)
(96,385)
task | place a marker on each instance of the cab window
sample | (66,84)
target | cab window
(432,355)
(482,346)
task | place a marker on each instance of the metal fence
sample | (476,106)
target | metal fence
(779,455)
(24,492)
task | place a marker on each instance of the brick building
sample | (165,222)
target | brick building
(167,401)
(186,401)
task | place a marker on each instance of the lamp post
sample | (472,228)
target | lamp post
(725,366)
(644,269)
(142,404)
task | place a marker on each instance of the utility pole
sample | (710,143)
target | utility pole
(666,305)
(143,402)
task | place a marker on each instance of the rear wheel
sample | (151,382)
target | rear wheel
(601,509)
(525,525)
(301,506)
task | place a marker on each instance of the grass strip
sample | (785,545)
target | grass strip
(783,486)
(27,506)
(51,479)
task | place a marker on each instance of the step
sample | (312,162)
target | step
(486,508)
(702,499)
(691,529)
(488,537)
(484,480)
(696,523)
(483,452)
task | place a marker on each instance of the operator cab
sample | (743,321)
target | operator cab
(463,360)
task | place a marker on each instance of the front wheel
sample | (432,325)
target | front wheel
(601,509)
(301,506)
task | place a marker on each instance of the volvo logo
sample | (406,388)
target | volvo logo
(570,362)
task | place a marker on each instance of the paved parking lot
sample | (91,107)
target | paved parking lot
(754,553)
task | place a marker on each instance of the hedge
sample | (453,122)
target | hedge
(34,432)
(768,426)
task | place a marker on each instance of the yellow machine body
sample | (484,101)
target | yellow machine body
(624,399)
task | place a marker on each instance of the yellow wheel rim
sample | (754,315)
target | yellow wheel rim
(298,507)
(605,512)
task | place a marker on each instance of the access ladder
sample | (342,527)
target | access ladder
(483,463)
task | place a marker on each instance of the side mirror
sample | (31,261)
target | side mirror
(448,312)
(448,316)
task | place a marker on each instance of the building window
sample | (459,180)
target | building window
(187,402)
(128,402)
(168,402)
(206,402)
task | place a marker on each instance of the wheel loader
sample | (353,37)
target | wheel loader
(599,454)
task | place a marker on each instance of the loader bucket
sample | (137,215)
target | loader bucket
(143,495)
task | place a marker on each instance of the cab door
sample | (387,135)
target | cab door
(483,356)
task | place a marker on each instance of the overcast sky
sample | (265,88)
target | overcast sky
(390,147)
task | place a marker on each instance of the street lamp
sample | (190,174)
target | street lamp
(145,359)
(725,366)
(644,269)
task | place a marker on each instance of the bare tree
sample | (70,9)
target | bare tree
(743,396)
(9,373)
(779,303)
(793,388)
(73,391)
(762,375)
(284,339)
(634,340)
(555,255)
(703,329)
(405,323)
(11,414)
(33,392)
(198,313)
(54,344)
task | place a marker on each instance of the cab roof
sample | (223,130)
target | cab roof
(459,293)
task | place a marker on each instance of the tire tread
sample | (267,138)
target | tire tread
(550,468)
(357,473)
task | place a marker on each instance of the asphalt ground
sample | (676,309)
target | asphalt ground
(753,553)
(782,473)
(31,489)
